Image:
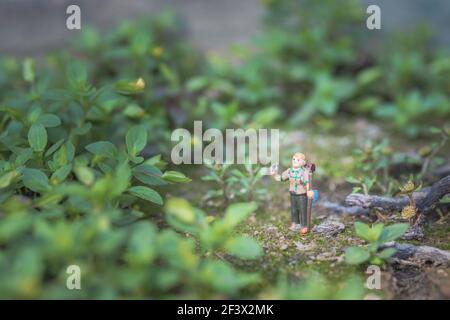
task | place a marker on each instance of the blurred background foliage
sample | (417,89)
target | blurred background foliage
(84,135)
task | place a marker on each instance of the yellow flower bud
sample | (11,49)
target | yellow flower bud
(139,84)
(408,212)
(157,52)
(408,187)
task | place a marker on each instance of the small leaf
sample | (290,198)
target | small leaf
(85,175)
(28,70)
(356,255)
(238,212)
(375,232)
(102,148)
(54,147)
(244,247)
(148,174)
(387,253)
(180,209)
(176,177)
(76,74)
(392,232)
(49,120)
(37,137)
(35,180)
(352,180)
(122,176)
(6,179)
(61,174)
(362,230)
(24,156)
(146,193)
(141,249)
(127,87)
(136,139)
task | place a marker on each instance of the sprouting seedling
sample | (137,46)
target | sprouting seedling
(409,212)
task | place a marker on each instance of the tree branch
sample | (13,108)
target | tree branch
(425,199)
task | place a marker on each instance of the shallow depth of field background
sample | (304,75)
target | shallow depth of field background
(86,177)
(34,27)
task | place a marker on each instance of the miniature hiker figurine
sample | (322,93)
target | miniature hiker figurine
(299,176)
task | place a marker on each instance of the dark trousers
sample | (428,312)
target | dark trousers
(299,204)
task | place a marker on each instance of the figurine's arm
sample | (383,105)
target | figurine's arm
(283,177)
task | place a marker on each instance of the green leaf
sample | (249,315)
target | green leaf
(141,248)
(35,180)
(127,87)
(356,255)
(7,178)
(28,70)
(102,148)
(54,147)
(146,193)
(445,200)
(352,180)
(49,120)
(148,174)
(76,74)
(134,111)
(24,156)
(37,137)
(136,139)
(122,178)
(175,177)
(180,209)
(387,253)
(238,212)
(196,83)
(375,232)
(368,76)
(61,174)
(85,175)
(392,232)
(244,247)
(362,230)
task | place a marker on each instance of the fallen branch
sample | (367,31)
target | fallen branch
(420,255)
(340,209)
(439,173)
(425,199)
(437,191)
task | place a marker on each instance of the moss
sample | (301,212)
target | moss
(437,235)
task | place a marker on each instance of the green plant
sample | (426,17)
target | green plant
(375,235)
(372,163)
(234,182)
(317,287)
(430,152)
(247,180)
(219,175)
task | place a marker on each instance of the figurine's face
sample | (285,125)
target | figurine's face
(298,161)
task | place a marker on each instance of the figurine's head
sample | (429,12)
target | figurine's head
(298,160)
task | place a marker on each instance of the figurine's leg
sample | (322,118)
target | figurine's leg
(294,210)
(303,202)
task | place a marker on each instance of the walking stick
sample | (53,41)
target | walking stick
(312,168)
